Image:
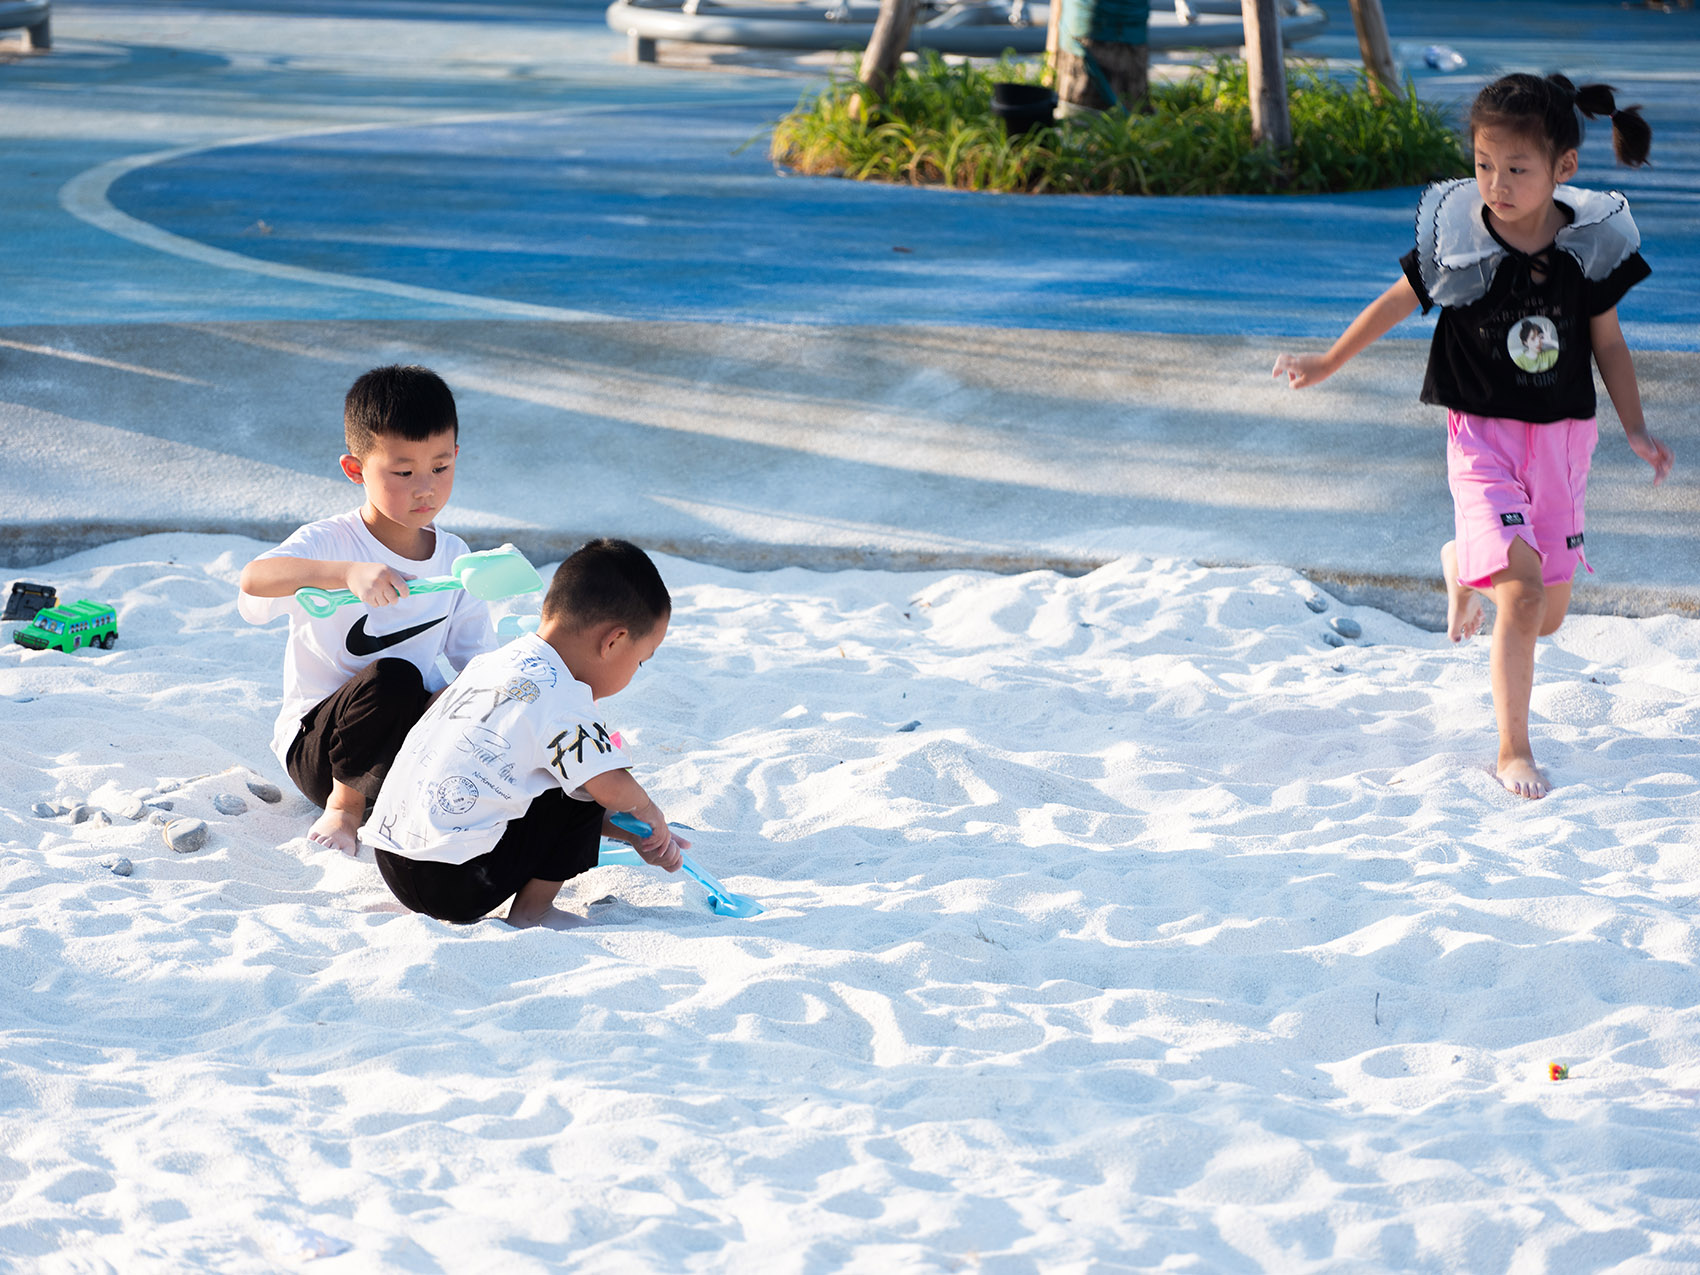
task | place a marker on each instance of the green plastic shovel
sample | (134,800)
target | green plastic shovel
(490,574)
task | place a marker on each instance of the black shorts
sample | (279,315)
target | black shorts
(554,840)
(352,736)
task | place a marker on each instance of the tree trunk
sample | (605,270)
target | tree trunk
(1101,57)
(1375,47)
(1266,71)
(885,48)
(1103,74)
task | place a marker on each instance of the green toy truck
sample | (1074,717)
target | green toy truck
(68,627)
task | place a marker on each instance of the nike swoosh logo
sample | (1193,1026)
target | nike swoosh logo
(360,642)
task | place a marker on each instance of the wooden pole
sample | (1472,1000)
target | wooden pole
(1266,70)
(1053,29)
(1375,47)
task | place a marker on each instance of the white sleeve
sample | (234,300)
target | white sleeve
(315,540)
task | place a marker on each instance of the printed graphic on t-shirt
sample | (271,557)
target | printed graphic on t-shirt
(521,688)
(1533,343)
(596,737)
(359,643)
(537,669)
(456,795)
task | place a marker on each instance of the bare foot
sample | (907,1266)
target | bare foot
(1463,604)
(551,918)
(336,828)
(1523,778)
(534,904)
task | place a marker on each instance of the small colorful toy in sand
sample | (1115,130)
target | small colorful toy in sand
(26,600)
(1558,1071)
(721,901)
(70,627)
(489,576)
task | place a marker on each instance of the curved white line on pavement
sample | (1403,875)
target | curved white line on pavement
(85,197)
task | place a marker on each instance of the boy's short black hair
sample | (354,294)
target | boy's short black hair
(608,582)
(408,402)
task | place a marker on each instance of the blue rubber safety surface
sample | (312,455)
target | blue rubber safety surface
(671,210)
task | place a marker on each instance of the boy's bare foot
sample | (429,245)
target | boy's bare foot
(1463,604)
(336,829)
(1523,778)
(551,918)
(534,904)
(339,826)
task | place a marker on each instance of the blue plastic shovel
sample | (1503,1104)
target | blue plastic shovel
(721,901)
(487,575)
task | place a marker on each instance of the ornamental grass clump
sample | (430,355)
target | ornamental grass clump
(936,127)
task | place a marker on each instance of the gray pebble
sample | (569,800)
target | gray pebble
(80,813)
(1316,602)
(167,785)
(161,805)
(271,794)
(907,727)
(47,810)
(185,835)
(121,867)
(1332,639)
(228,803)
(159,817)
(130,807)
(1347,627)
(100,819)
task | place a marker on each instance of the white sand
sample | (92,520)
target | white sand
(1169,939)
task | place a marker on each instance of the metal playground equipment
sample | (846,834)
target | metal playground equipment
(975,28)
(34,16)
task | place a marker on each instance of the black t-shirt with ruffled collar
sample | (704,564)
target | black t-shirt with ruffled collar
(1522,350)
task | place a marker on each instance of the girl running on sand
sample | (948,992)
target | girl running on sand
(1527,273)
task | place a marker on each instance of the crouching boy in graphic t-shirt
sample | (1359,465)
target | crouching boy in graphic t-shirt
(504,787)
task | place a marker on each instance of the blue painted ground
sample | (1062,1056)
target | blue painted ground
(670,211)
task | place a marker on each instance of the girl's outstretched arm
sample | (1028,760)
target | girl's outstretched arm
(1377,317)
(1617,370)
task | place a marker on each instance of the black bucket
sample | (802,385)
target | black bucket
(1023,107)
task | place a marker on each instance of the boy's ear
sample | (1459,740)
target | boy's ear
(352,468)
(612,638)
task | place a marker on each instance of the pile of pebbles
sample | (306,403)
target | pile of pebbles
(183,835)
(1341,628)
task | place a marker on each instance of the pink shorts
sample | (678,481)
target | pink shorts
(1511,479)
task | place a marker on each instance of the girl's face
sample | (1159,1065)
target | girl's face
(1516,178)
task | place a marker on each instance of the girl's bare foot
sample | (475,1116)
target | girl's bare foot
(1463,604)
(1523,778)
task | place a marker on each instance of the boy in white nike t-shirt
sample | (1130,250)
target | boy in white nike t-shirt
(355,682)
(504,788)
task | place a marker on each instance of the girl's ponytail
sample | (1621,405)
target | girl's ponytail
(1546,107)
(1631,136)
